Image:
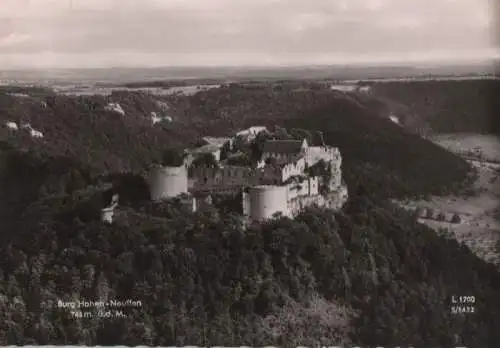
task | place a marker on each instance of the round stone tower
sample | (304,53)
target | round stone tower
(167,182)
(266,200)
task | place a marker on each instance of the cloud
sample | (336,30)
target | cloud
(233,30)
(14,39)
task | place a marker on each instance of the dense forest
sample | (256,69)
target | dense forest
(369,274)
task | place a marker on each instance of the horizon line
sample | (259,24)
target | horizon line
(414,65)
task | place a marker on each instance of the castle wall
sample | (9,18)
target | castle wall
(107,215)
(295,189)
(314,154)
(334,200)
(313,186)
(293,169)
(271,175)
(223,178)
(309,187)
(296,205)
(336,179)
(339,197)
(246,204)
(168,182)
(330,155)
(216,155)
(277,156)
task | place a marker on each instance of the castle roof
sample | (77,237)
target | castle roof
(252,130)
(285,161)
(283,146)
(279,164)
(217,141)
(209,148)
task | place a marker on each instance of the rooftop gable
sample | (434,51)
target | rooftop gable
(284,146)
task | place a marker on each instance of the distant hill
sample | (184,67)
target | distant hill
(336,71)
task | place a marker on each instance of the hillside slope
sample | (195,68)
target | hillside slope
(370,275)
(470,106)
(81,128)
(81,142)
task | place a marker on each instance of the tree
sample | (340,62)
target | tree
(455,219)
(132,188)
(429,213)
(300,134)
(206,160)
(257,146)
(75,181)
(225,150)
(281,133)
(173,157)
(240,160)
(270,161)
(240,143)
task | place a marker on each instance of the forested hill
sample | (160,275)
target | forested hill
(80,128)
(83,129)
(82,140)
(470,106)
(368,275)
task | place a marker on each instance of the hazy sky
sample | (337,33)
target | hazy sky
(95,33)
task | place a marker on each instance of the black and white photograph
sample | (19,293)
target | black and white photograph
(321,173)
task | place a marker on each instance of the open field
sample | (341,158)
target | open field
(473,146)
(96,90)
(479,228)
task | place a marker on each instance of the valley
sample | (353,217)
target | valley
(479,226)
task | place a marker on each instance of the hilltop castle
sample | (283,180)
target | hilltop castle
(289,176)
